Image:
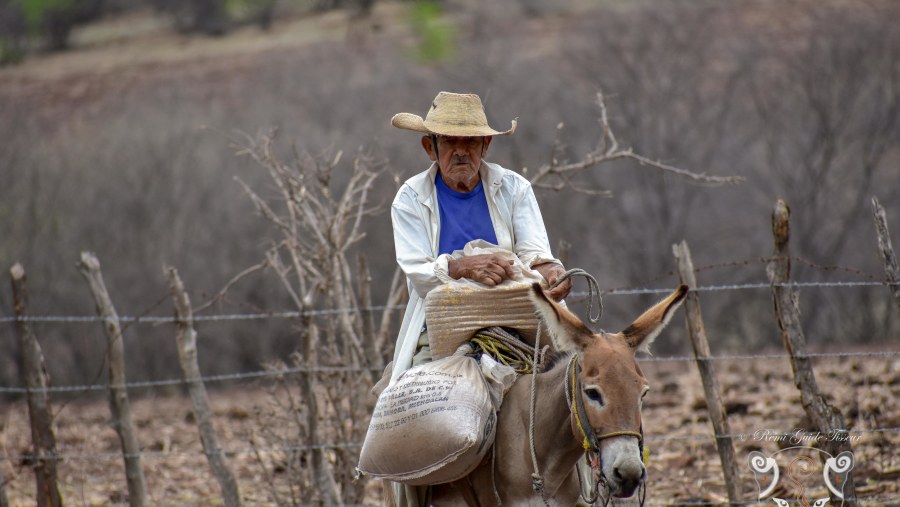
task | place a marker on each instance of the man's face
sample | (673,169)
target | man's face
(458,159)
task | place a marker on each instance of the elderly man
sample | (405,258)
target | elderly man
(459,198)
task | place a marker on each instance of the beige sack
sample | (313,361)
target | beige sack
(458,308)
(434,425)
(454,314)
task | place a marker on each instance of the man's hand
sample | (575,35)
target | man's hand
(489,269)
(552,271)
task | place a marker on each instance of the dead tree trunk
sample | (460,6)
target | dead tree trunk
(328,489)
(4,501)
(717,415)
(119,406)
(368,319)
(187,355)
(828,420)
(36,380)
(891,269)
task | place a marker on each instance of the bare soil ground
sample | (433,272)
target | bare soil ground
(683,464)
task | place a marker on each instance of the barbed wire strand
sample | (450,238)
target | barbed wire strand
(362,369)
(337,311)
(205,379)
(345,445)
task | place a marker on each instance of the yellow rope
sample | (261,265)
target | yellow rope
(586,443)
(503,353)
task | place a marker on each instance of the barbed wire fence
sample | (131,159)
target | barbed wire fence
(161,319)
(268,373)
(868,281)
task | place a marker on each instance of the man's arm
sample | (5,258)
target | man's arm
(412,245)
(532,244)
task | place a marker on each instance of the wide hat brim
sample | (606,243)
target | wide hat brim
(409,121)
(452,114)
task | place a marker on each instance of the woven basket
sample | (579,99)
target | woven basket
(454,313)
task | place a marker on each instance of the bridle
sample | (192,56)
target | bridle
(591,440)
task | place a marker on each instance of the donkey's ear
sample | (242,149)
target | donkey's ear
(566,330)
(641,333)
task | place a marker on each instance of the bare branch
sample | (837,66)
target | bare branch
(608,143)
(236,278)
(608,151)
(262,206)
(699,177)
(577,189)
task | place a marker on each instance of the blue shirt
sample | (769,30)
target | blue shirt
(464,217)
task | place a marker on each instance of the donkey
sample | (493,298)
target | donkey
(588,404)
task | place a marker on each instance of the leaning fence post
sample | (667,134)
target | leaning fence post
(187,356)
(828,420)
(118,393)
(717,415)
(891,269)
(42,437)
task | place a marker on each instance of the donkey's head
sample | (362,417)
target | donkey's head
(607,385)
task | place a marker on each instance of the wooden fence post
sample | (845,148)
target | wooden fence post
(118,393)
(42,437)
(891,269)
(717,414)
(828,420)
(187,355)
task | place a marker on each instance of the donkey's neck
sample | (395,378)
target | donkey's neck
(561,450)
(556,446)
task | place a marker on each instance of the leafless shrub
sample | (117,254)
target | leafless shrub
(318,221)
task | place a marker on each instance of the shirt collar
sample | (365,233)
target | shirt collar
(491,177)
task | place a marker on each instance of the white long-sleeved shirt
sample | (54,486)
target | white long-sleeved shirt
(416,221)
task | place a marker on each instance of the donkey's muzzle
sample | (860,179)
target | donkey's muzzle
(626,477)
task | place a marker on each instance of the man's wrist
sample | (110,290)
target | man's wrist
(544,264)
(453,269)
(548,267)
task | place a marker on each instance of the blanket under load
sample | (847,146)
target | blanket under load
(455,314)
(455,311)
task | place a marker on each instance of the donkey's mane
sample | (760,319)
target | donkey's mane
(553,358)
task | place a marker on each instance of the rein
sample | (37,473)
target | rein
(537,481)
(591,441)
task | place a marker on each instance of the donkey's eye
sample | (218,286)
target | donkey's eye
(594,394)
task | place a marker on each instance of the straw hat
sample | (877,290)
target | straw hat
(451,114)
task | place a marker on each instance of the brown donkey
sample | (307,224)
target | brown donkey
(588,403)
